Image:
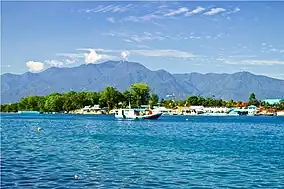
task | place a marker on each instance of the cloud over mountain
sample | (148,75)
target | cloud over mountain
(35,66)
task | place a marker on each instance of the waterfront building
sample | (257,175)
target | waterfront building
(273,101)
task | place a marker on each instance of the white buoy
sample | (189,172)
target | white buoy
(38,129)
(186,119)
(76,177)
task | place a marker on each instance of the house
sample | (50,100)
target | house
(252,110)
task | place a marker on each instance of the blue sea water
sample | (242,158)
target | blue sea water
(172,152)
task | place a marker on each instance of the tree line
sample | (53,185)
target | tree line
(138,94)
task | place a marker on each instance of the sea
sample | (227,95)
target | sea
(96,151)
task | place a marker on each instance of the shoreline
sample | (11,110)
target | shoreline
(168,115)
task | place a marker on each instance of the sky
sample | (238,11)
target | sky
(179,37)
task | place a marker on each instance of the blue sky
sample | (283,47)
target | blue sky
(220,37)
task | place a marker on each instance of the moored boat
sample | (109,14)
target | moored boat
(136,114)
(28,112)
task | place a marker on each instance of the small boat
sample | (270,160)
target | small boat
(28,112)
(136,114)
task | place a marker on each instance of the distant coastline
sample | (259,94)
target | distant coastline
(138,95)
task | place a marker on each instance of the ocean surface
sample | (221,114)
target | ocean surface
(172,152)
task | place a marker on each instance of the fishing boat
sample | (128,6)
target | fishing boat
(136,114)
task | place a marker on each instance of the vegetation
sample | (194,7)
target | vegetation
(141,93)
(138,94)
(253,100)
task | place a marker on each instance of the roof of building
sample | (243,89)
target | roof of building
(273,101)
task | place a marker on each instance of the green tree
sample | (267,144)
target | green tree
(9,107)
(192,100)
(111,97)
(41,103)
(253,100)
(229,103)
(91,98)
(23,104)
(154,100)
(128,97)
(141,93)
(54,103)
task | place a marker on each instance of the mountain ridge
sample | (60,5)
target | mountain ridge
(94,77)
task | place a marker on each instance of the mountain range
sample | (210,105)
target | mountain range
(94,77)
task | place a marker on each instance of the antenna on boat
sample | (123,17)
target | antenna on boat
(129,105)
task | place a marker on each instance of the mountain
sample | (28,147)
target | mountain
(94,77)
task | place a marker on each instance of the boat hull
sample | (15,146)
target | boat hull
(149,117)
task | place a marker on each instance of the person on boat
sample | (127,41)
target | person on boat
(150,112)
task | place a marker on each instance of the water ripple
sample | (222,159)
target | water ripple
(202,152)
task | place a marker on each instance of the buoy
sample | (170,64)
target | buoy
(186,119)
(38,129)
(76,177)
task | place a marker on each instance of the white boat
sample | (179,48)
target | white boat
(163,110)
(134,114)
(214,114)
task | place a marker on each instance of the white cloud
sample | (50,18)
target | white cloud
(255,62)
(149,17)
(273,50)
(73,56)
(281,51)
(163,53)
(143,46)
(131,19)
(35,66)
(158,36)
(214,11)
(111,19)
(146,17)
(108,8)
(195,11)
(55,63)
(60,63)
(236,9)
(130,37)
(176,12)
(159,13)
(162,6)
(142,38)
(125,55)
(93,56)
(97,50)
(128,40)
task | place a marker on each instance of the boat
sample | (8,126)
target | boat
(238,112)
(163,110)
(214,114)
(136,114)
(28,112)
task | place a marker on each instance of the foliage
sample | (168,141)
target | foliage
(154,100)
(111,97)
(253,100)
(141,93)
(138,94)
(54,103)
